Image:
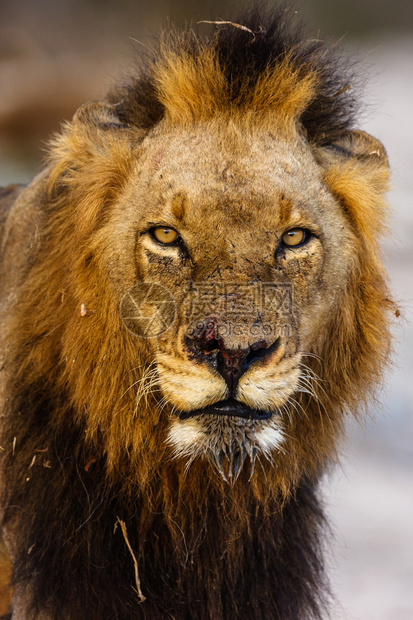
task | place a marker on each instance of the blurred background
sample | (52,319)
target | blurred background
(57,54)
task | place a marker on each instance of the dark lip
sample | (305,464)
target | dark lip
(229,407)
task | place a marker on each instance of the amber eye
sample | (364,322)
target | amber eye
(165,235)
(295,237)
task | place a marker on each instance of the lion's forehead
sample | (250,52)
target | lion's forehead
(204,179)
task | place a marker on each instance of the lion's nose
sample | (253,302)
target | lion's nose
(232,364)
(206,344)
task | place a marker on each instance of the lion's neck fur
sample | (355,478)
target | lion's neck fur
(201,549)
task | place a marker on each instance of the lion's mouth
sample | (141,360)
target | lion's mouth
(229,407)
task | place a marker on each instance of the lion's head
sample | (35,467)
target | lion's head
(254,255)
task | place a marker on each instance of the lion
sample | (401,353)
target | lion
(192,303)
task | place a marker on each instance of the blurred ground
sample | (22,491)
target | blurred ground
(44,77)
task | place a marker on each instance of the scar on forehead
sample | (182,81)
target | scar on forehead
(178,205)
(157,158)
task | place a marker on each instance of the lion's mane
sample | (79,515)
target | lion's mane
(75,463)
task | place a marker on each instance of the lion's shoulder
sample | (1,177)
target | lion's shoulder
(8,196)
(19,219)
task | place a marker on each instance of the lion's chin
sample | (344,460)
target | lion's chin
(231,443)
(229,407)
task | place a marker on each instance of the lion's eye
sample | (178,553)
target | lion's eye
(295,237)
(165,235)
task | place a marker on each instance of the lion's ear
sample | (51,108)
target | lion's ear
(97,124)
(92,159)
(356,171)
(355,144)
(94,130)
(97,115)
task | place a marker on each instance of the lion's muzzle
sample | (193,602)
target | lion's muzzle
(229,407)
(207,345)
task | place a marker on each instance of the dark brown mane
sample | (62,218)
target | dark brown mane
(245,50)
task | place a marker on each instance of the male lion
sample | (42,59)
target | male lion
(192,301)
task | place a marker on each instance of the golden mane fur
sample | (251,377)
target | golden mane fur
(194,89)
(83,404)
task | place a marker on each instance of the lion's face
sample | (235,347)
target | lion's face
(241,259)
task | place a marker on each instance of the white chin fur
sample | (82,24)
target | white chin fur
(228,443)
(269,438)
(184,436)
